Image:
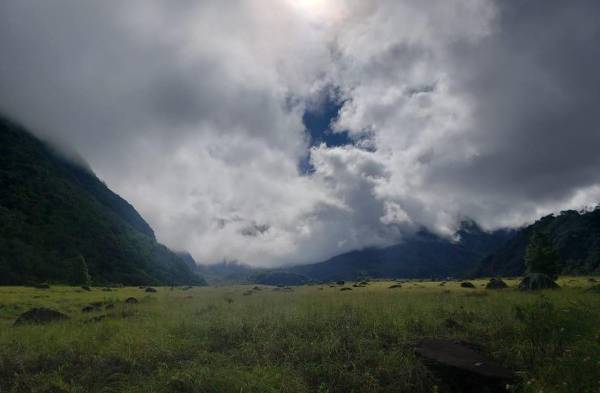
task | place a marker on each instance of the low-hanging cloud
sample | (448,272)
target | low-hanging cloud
(192,110)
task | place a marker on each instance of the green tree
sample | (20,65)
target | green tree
(541,256)
(79,271)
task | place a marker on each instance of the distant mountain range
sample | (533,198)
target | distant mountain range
(423,255)
(575,235)
(54,212)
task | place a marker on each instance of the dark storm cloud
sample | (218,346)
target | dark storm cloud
(534,87)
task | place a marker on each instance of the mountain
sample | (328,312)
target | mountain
(422,256)
(57,217)
(228,272)
(576,236)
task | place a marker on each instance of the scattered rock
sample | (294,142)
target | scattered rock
(106,289)
(247,293)
(467,284)
(345,289)
(151,290)
(86,288)
(364,283)
(131,300)
(462,369)
(109,306)
(140,287)
(496,283)
(592,279)
(442,284)
(229,300)
(89,308)
(186,288)
(257,289)
(340,282)
(395,286)
(95,319)
(39,316)
(536,281)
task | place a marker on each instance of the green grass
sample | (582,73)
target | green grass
(311,339)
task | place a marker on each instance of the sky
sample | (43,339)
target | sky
(280,132)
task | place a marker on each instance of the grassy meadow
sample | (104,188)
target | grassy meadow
(312,338)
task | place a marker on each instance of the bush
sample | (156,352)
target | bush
(541,256)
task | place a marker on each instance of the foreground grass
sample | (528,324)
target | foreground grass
(310,339)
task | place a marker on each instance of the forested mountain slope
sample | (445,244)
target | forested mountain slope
(575,235)
(53,212)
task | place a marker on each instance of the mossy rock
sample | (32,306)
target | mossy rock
(537,281)
(496,283)
(40,316)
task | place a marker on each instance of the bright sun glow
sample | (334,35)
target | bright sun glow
(311,5)
(316,9)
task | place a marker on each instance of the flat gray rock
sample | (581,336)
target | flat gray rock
(460,356)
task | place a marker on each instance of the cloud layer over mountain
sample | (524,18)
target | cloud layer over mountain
(192,110)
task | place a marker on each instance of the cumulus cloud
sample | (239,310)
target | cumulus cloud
(193,110)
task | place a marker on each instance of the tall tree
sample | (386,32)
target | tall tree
(79,271)
(541,256)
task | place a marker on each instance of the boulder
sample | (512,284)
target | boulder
(95,319)
(496,283)
(151,290)
(86,288)
(40,316)
(395,286)
(537,281)
(131,300)
(345,289)
(88,309)
(340,282)
(467,284)
(461,368)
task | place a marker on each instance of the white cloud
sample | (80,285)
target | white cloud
(193,112)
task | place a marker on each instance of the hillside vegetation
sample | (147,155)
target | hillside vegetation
(574,235)
(56,213)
